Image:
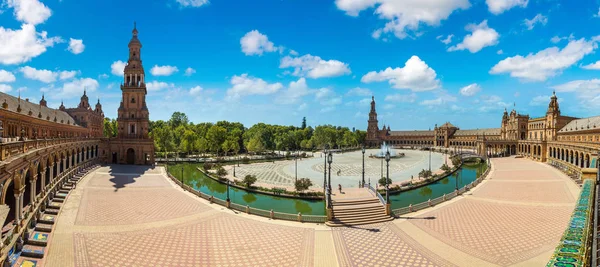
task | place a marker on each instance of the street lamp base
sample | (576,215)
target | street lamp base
(228,203)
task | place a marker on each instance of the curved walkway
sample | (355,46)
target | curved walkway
(134,216)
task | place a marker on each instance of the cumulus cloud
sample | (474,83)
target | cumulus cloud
(244,85)
(76,46)
(404,17)
(500,52)
(403,98)
(557,39)
(157,86)
(196,90)
(442,98)
(163,70)
(480,37)
(497,7)
(7,77)
(45,76)
(314,67)
(192,3)
(118,67)
(446,40)
(586,91)
(545,63)
(538,19)
(189,71)
(71,89)
(29,11)
(294,92)
(593,66)
(20,46)
(357,91)
(5,88)
(492,103)
(66,75)
(470,90)
(327,97)
(256,43)
(416,75)
(540,100)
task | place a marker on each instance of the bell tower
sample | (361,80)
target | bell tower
(372,128)
(552,118)
(133,116)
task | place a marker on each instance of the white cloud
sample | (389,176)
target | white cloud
(470,90)
(389,106)
(327,109)
(65,75)
(545,63)
(103,76)
(446,40)
(492,103)
(499,6)
(189,71)
(293,53)
(71,89)
(118,67)
(246,85)
(46,76)
(157,86)
(557,39)
(540,100)
(196,90)
(327,97)
(404,17)
(256,43)
(76,46)
(442,98)
(480,37)
(405,98)
(29,11)
(20,46)
(295,91)
(5,88)
(192,3)
(7,77)
(500,52)
(593,66)
(597,15)
(416,75)
(586,91)
(538,19)
(163,70)
(314,67)
(357,91)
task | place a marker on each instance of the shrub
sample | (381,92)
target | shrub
(207,166)
(245,160)
(445,168)
(382,181)
(303,184)
(221,172)
(249,180)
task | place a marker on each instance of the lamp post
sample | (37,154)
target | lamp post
(324,169)
(296,166)
(228,200)
(429,158)
(387,182)
(363,166)
(330,160)
(181,176)
(233,170)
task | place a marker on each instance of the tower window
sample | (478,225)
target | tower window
(133,100)
(132,116)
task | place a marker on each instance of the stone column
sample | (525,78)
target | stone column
(17,211)
(21,195)
(64,164)
(51,173)
(32,190)
(43,176)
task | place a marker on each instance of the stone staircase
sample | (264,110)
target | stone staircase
(358,212)
(36,240)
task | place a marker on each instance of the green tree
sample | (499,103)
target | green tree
(249,180)
(302,184)
(445,168)
(221,172)
(215,136)
(201,145)
(178,119)
(303,123)
(188,141)
(255,145)
(382,181)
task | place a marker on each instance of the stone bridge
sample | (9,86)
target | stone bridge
(30,173)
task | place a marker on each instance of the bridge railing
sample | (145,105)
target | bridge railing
(15,148)
(379,196)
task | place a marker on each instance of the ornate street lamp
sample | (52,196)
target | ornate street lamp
(181,176)
(429,158)
(363,166)
(233,170)
(296,166)
(387,177)
(330,160)
(228,200)
(324,169)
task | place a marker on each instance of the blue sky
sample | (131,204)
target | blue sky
(277,61)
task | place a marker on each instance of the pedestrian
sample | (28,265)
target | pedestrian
(340,187)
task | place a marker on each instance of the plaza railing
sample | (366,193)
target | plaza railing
(250,210)
(574,247)
(374,191)
(10,147)
(432,202)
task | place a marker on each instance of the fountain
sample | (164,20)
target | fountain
(385,148)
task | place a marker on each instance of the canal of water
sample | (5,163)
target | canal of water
(199,181)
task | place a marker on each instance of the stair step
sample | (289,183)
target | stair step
(355,202)
(26,262)
(59,199)
(54,205)
(47,218)
(64,191)
(43,227)
(362,207)
(33,251)
(359,216)
(337,223)
(38,239)
(52,211)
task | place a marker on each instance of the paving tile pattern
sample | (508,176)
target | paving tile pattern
(381,245)
(524,191)
(218,241)
(499,233)
(107,207)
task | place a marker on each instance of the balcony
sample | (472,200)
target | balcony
(10,148)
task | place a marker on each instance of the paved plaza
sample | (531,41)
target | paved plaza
(349,166)
(135,216)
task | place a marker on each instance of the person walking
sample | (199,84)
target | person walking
(340,187)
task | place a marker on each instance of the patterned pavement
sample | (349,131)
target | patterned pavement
(121,216)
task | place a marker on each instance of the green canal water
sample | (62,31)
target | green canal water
(197,180)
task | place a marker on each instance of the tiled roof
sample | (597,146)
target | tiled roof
(447,125)
(412,133)
(13,103)
(584,124)
(488,131)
